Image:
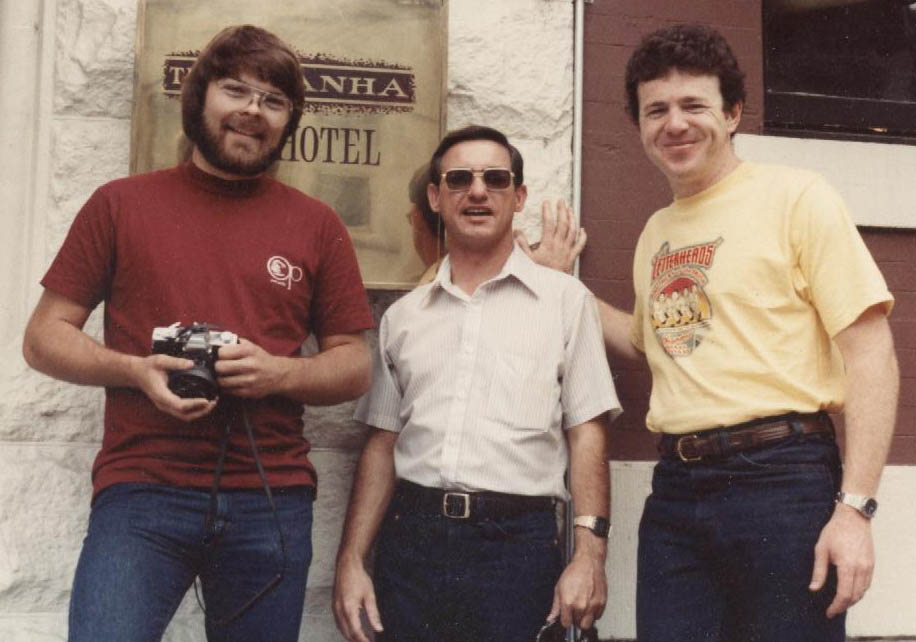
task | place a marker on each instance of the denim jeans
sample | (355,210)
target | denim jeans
(146,543)
(726,549)
(450,580)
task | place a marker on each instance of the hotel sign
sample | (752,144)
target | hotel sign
(374,106)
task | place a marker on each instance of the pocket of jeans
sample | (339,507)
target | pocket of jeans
(119,492)
(524,393)
(538,530)
(789,455)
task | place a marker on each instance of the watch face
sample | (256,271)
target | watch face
(870,507)
(602,527)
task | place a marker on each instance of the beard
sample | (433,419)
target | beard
(213,146)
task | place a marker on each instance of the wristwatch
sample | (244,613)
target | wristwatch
(600,526)
(866,505)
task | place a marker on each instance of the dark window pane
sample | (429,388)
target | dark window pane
(841,66)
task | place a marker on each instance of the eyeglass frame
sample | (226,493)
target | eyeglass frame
(257,95)
(481,173)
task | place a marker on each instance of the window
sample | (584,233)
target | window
(840,68)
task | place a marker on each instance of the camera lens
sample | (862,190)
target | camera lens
(196,381)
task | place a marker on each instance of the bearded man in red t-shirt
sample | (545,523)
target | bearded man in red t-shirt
(217,489)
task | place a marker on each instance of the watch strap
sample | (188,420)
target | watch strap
(600,526)
(866,505)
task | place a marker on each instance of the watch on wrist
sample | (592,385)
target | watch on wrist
(600,526)
(866,505)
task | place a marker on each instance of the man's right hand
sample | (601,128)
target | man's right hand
(151,376)
(353,593)
(562,240)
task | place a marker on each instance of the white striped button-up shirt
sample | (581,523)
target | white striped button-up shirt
(481,387)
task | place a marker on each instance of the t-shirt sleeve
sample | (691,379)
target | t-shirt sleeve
(339,305)
(837,272)
(380,407)
(83,269)
(587,389)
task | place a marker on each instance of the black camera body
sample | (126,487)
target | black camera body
(199,342)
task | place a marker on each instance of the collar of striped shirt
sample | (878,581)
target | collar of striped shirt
(519,265)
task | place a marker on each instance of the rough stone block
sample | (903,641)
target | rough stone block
(44,508)
(86,153)
(532,86)
(335,474)
(188,623)
(318,619)
(333,427)
(35,407)
(95,57)
(33,627)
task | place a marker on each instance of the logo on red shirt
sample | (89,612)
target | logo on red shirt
(282,272)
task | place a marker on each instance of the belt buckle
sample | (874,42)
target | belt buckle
(678,448)
(464,513)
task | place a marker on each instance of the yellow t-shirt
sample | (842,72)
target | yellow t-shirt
(739,290)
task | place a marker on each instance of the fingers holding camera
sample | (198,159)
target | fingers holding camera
(151,375)
(247,370)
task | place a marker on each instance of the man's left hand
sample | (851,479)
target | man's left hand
(846,542)
(581,592)
(247,370)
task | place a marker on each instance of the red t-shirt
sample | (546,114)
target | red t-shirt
(255,257)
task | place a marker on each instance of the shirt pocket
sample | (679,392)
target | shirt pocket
(524,393)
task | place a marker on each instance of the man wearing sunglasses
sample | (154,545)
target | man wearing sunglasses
(215,241)
(758,309)
(488,383)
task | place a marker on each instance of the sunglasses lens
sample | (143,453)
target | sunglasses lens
(497,178)
(458,178)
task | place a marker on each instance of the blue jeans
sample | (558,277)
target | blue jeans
(726,549)
(146,543)
(448,580)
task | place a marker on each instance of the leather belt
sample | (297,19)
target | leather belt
(717,443)
(470,506)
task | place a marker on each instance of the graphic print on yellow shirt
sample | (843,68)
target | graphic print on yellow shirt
(681,311)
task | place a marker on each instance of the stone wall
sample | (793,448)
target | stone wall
(71,63)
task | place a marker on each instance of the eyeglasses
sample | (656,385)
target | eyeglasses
(555,632)
(494,178)
(243,93)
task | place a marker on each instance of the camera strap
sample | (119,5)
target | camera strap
(218,474)
(211,513)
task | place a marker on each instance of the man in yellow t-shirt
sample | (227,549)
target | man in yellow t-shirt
(759,310)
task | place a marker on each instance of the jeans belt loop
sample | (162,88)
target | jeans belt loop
(723,446)
(465,511)
(798,429)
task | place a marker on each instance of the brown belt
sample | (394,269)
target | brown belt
(722,442)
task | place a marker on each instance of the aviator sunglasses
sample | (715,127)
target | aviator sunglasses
(494,178)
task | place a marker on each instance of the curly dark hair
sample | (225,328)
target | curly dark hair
(475,132)
(234,50)
(691,48)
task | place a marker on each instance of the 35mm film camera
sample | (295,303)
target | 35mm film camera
(199,342)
